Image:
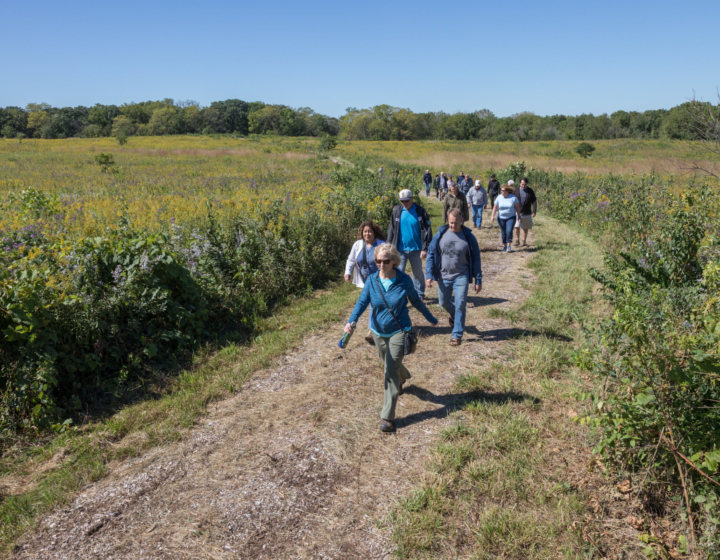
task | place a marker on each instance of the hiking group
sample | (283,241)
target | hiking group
(452,259)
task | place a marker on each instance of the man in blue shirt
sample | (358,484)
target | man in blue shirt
(411,233)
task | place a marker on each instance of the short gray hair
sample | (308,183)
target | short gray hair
(455,212)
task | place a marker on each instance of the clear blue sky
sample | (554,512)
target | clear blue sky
(508,56)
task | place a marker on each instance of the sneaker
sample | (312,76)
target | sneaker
(517,243)
(509,249)
(524,243)
(387,426)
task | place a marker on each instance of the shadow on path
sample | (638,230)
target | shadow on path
(491,335)
(452,402)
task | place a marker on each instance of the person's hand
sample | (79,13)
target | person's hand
(428,283)
(478,287)
(423,254)
(348,328)
(533,214)
(434,321)
(347,278)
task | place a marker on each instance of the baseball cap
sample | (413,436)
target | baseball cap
(492,176)
(510,182)
(478,183)
(406,194)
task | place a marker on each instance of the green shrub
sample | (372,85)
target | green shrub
(584,149)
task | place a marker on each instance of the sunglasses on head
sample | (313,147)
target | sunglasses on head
(384,261)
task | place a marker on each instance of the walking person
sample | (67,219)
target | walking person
(506,209)
(427,180)
(454,260)
(410,233)
(388,291)
(455,199)
(528,209)
(361,262)
(493,189)
(436,184)
(443,185)
(477,200)
(466,185)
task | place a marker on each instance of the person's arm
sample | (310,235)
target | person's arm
(417,303)
(391,229)
(465,210)
(534,207)
(494,212)
(517,208)
(362,303)
(430,262)
(477,261)
(351,261)
(445,209)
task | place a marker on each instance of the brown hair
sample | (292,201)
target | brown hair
(508,188)
(376,230)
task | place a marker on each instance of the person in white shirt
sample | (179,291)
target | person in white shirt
(361,262)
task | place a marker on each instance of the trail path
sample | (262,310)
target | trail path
(294,465)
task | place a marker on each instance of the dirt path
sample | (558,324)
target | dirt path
(294,466)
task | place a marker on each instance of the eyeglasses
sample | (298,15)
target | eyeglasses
(383,261)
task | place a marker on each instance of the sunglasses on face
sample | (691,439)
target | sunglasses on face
(383,261)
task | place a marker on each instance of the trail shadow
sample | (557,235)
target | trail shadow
(479,301)
(490,335)
(455,401)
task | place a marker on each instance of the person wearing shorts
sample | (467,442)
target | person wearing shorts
(528,209)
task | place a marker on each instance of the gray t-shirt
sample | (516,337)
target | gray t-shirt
(454,251)
(521,195)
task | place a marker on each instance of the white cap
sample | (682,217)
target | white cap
(510,182)
(405,194)
(478,183)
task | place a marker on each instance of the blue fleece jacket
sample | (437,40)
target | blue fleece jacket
(433,265)
(397,297)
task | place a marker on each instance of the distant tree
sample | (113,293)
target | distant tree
(8,131)
(123,125)
(584,149)
(103,115)
(705,126)
(37,120)
(163,121)
(121,138)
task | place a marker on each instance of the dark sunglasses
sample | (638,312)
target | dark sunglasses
(384,261)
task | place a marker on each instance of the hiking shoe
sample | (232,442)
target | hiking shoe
(524,243)
(509,249)
(387,426)
(451,320)
(517,243)
(456,342)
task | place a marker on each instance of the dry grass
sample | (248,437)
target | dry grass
(294,156)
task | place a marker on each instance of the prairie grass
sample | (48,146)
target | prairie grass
(497,486)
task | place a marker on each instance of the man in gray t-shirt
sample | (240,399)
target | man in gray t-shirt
(454,251)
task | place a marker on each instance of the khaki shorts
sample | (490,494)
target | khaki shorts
(525,222)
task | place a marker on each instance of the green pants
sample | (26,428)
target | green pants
(391,351)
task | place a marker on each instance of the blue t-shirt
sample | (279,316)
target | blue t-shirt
(506,206)
(409,239)
(385,283)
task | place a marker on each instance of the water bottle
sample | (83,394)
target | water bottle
(346,336)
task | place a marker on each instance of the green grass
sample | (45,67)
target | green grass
(492,488)
(216,374)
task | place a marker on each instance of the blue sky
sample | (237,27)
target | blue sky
(508,56)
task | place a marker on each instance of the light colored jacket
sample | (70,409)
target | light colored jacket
(477,197)
(352,259)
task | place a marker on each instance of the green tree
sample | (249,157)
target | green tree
(37,120)
(584,149)
(163,121)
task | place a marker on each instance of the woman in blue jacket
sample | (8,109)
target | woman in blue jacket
(388,290)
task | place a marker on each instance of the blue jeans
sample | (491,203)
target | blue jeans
(457,311)
(506,228)
(417,269)
(477,210)
(427,189)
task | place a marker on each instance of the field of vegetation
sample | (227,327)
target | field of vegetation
(118,261)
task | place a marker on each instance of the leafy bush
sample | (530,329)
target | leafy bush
(81,317)
(584,149)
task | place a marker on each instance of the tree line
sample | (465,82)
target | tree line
(382,122)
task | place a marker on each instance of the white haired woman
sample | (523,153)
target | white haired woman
(389,290)
(361,261)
